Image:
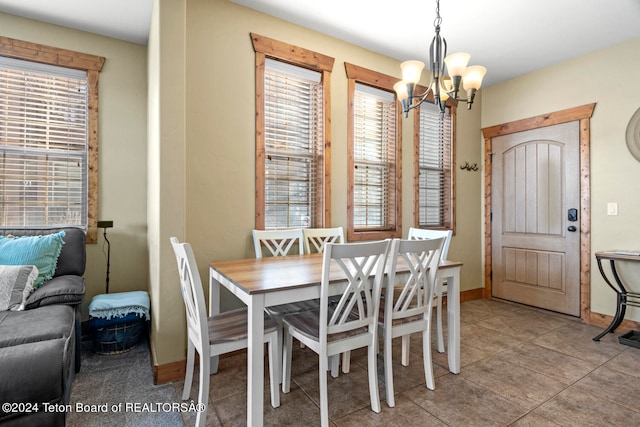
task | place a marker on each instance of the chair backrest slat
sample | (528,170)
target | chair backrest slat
(414,295)
(192,292)
(315,239)
(277,242)
(362,264)
(423,233)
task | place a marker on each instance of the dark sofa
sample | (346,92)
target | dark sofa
(40,346)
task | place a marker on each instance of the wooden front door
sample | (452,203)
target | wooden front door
(535,224)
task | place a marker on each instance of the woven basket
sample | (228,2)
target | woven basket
(117,338)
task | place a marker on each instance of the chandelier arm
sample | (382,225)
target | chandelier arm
(422,97)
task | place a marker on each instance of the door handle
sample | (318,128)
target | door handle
(572,228)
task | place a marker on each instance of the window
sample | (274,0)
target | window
(374,202)
(43,145)
(292,136)
(48,137)
(434,157)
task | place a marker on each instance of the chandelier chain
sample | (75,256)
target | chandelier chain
(438,20)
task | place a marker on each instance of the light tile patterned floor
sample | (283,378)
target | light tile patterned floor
(520,367)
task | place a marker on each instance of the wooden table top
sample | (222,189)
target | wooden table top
(261,275)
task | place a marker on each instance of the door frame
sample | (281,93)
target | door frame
(583,115)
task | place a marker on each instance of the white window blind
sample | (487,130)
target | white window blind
(434,185)
(374,158)
(43,145)
(293,135)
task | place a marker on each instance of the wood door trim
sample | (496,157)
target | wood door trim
(583,115)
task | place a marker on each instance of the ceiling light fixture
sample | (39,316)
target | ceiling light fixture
(440,87)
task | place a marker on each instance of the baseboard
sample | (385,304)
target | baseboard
(603,321)
(469,295)
(168,372)
(175,371)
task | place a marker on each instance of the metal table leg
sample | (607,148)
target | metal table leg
(621,294)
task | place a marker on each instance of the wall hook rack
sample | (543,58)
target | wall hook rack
(469,167)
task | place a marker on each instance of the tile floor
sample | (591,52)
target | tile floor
(519,367)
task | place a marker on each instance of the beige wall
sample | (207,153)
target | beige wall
(122,150)
(615,174)
(221,134)
(166,165)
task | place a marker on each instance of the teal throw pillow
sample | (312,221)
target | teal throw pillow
(41,251)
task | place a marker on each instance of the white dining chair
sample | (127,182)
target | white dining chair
(350,324)
(215,335)
(421,233)
(281,243)
(278,242)
(407,303)
(316,238)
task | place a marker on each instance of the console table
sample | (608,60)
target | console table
(624,297)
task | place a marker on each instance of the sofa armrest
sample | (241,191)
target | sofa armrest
(59,290)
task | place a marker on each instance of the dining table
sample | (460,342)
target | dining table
(264,282)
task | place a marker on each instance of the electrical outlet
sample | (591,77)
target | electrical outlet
(612,209)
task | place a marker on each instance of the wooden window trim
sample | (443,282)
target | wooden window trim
(270,48)
(81,61)
(450,221)
(357,74)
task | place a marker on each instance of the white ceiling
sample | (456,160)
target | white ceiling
(121,19)
(509,37)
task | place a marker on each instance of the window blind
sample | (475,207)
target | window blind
(293,135)
(43,145)
(434,166)
(374,158)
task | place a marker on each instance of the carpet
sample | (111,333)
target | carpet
(118,390)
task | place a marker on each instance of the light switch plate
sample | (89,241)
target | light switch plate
(612,209)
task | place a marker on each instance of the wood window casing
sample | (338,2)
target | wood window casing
(294,55)
(355,75)
(81,61)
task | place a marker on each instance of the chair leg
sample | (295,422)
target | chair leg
(439,318)
(406,344)
(280,354)
(286,362)
(426,357)
(346,361)
(203,393)
(213,364)
(275,359)
(388,370)
(334,365)
(324,395)
(372,368)
(188,377)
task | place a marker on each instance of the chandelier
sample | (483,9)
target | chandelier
(441,87)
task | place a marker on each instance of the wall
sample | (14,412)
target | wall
(122,150)
(166,172)
(221,135)
(615,174)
